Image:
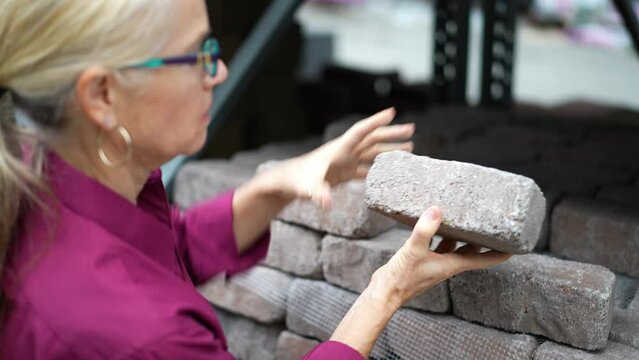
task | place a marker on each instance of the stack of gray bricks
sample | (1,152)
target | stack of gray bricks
(572,293)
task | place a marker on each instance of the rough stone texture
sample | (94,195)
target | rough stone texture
(276,151)
(247,339)
(315,309)
(488,207)
(259,294)
(625,327)
(414,335)
(348,216)
(565,301)
(350,264)
(200,180)
(598,233)
(291,346)
(295,250)
(613,351)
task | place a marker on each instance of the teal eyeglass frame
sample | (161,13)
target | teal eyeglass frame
(208,56)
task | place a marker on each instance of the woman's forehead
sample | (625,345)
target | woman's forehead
(190,27)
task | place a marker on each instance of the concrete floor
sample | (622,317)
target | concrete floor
(397,35)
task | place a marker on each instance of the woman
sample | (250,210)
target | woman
(97,263)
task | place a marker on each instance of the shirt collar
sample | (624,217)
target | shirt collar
(146,226)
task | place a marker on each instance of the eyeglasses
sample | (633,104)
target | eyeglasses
(208,57)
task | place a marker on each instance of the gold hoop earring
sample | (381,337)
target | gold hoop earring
(129,148)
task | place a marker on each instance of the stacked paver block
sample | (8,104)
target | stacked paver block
(623,194)
(350,264)
(291,346)
(315,309)
(247,339)
(348,217)
(552,198)
(488,207)
(566,301)
(259,293)
(414,335)
(625,290)
(598,233)
(200,180)
(295,250)
(613,351)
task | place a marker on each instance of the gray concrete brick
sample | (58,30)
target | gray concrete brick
(295,250)
(507,210)
(200,180)
(315,309)
(247,339)
(625,327)
(565,301)
(598,233)
(613,351)
(488,151)
(350,264)
(348,217)
(259,293)
(414,335)
(291,346)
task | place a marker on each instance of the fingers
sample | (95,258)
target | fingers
(358,132)
(371,153)
(386,134)
(425,229)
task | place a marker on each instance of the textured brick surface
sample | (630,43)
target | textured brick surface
(200,180)
(259,294)
(315,308)
(348,217)
(613,351)
(565,301)
(291,346)
(552,198)
(295,250)
(598,233)
(484,206)
(625,327)
(247,339)
(414,335)
(350,264)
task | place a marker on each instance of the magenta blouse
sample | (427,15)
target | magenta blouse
(97,277)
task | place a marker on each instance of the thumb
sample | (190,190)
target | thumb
(425,229)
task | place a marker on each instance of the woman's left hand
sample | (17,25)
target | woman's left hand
(312,175)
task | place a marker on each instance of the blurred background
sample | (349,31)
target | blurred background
(357,57)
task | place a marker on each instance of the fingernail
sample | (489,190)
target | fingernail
(107,121)
(433,213)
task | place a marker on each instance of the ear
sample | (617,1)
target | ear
(94,94)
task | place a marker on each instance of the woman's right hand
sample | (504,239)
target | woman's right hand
(415,268)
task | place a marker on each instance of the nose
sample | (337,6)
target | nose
(220,77)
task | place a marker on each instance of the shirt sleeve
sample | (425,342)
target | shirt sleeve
(207,243)
(330,350)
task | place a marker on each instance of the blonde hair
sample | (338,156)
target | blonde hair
(44,46)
